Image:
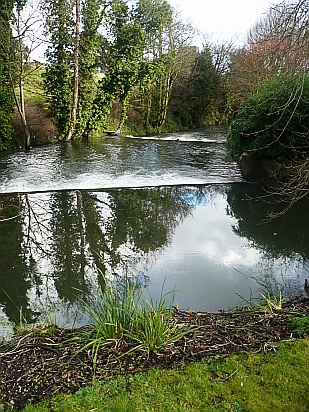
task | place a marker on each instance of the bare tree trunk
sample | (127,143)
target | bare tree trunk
(76,73)
(20,100)
(20,104)
(22,112)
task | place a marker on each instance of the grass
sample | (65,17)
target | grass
(118,314)
(46,325)
(301,325)
(263,381)
(258,382)
(272,302)
(269,300)
(153,327)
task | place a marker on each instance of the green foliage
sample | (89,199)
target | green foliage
(123,62)
(5,124)
(154,15)
(6,104)
(273,124)
(6,68)
(153,327)
(59,91)
(112,313)
(156,75)
(161,89)
(126,52)
(58,75)
(90,42)
(203,83)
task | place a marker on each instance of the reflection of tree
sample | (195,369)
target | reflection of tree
(283,242)
(68,244)
(126,226)
(150,216)
(15,268)
(9,207)
(246,205)
(60,242)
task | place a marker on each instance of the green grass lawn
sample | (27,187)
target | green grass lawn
(272,380)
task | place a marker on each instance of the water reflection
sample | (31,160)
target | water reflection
(205,240)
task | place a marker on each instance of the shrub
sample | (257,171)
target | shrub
(273,124)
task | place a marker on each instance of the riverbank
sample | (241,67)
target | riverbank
(39,365)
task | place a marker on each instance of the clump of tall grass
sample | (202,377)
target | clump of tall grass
(123,314)
(154,327)
(110,315)
(272,302)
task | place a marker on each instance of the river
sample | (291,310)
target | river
(169,211)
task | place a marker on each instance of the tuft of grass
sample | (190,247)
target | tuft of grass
(119,314)
(113,310)
(46,326)
(153,327)
(110,315)
(272,302)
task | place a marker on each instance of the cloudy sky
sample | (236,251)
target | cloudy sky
(223,19)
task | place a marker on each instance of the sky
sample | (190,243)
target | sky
(223,19)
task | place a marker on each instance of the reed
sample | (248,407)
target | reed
(154,327)
(272,302)
(118,315)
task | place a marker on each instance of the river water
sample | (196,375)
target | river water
(169,211)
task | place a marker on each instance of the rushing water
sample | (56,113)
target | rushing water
(179,159)
(167,210)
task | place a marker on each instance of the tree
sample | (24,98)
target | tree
(203,83)
(21,55)
(59,28)
(90,43)
(278,44)
(181,94)
(274,123)
(77,99)
(76,63)
(164,55)
(119,61)
(126,54)
(19,40)
(6,92)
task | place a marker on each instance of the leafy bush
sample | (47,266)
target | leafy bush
(273,124)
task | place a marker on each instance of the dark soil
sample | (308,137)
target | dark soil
(35,367)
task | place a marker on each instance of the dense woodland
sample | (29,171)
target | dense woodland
(131,65)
